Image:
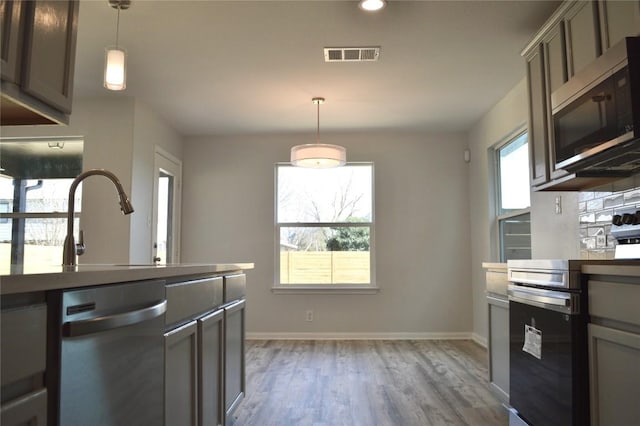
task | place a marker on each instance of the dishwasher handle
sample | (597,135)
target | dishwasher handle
(109,322)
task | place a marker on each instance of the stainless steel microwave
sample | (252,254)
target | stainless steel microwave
(596,115)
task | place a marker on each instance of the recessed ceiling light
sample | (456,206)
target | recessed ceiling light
(371,5)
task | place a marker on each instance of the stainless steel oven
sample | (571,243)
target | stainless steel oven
(548,342)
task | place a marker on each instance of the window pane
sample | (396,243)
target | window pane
(514,175)
(323,255)
(43,195)
(515,234)
(342,194)
(43,239)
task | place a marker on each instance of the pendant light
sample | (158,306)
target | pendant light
(318,155)
(115,66)
(371,5)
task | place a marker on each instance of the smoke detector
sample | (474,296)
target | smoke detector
(351,54)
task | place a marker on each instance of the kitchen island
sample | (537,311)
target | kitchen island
(171,335)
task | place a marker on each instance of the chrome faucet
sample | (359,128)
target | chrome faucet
(71,249)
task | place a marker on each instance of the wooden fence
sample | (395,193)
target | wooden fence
(324,267)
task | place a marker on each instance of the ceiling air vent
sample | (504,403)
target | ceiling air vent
(351,54)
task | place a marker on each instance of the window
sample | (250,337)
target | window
(324,227)
(34,187)
(513,201)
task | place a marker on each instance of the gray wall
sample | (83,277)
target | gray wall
(422,232)
(553,235)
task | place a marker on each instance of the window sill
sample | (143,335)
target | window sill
(324,289)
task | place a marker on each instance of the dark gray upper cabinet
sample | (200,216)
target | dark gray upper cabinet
(10,19)
(618,19)
(573,37)
(537,117)
(39,55)
(581,27)
(555,75)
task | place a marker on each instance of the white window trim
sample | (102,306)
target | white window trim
(501,215)
(369,288)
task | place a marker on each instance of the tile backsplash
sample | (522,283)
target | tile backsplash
(595,212)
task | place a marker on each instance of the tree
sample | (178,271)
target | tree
(349,239)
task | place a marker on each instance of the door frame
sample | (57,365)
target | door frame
(170,164)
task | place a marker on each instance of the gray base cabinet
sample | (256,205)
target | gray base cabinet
(614,349)
(234,359)
(204,353)
(23,346)
(614,361)
(210,360)
(499,347)
(181,376)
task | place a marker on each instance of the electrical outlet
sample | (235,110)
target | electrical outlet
(309,316)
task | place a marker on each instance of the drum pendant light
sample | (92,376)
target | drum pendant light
(318,155)
(115,67)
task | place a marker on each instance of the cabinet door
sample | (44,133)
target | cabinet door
(30,409)
(210,334)
(583,38)
(555,60)
(234,367)
(618,19)
(10,36)
(537,117)
(49,51)
(181,376)
(499,347)
(614,374)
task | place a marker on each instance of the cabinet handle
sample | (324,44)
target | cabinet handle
(108,322)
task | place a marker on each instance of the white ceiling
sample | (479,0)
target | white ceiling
(229,67)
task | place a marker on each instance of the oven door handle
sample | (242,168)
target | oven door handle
(547,299)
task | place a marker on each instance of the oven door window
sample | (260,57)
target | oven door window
(541,389)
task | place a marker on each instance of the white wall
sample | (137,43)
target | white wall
(422,231)
(119,134)
(506,117)
(149,131)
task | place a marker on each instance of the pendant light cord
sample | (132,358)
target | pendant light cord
(318,128)
(117,26)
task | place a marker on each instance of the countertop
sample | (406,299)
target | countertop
(615,267)
(56,277)
(491,265)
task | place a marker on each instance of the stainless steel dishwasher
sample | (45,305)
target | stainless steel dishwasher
(112,355)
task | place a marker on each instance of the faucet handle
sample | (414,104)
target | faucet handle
(80,248)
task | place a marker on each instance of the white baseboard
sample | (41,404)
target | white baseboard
(360,336)
(482,341)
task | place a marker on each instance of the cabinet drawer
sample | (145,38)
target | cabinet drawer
(30,409)
(189,299)
(614,300)
(24,342)
(234,287)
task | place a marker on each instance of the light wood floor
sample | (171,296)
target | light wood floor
(367,383)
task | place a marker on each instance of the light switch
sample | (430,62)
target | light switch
(558,204)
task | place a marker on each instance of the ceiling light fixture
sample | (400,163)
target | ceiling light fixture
(372,5)
(115,66)
(318,155)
